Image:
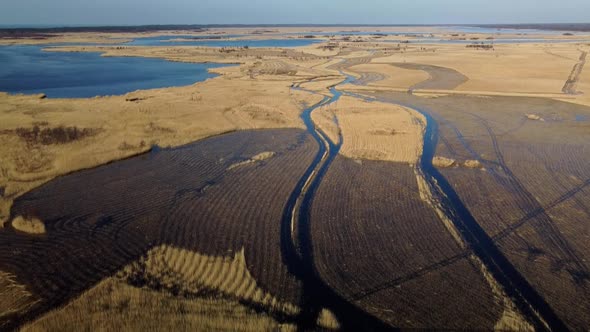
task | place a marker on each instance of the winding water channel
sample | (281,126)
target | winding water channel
(297,245)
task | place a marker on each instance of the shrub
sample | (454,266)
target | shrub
(57,135)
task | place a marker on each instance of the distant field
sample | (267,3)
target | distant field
(545,26)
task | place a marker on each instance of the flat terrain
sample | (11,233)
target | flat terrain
(383,248)
(529,192)
(373,130)
(185,207)
(130,210)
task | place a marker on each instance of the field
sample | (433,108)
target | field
(131,209)
(304,185)
(379,245)
(372,130)
(530,197)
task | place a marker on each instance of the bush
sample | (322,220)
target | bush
(57,135)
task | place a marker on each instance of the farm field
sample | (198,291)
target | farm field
(317,178)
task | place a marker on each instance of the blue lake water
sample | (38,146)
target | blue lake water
(28,69)
(165,40)
(169,40)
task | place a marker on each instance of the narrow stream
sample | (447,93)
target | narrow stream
(298,250)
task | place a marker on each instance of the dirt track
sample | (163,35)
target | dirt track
(572,81)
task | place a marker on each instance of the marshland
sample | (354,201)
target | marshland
(295,177)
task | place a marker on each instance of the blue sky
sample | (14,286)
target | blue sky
(133,12)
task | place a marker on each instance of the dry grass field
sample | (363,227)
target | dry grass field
(177,289)
(183,197)
(529,68)
(383,248)
(113,305)
(117,304)
(373,130)
(531,196)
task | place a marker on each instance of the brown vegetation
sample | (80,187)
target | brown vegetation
(392,256)
(443,162)
(114,305)
(481,46)
(373,130)
(191,203)
(257,158)
(57,135)
(14,297)
(530,198)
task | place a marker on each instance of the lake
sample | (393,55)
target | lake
(29,70)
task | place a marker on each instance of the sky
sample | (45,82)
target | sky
(137,12)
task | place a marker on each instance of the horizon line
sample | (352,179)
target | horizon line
(254,25)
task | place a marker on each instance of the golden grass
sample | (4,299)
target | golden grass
(325,119)
(472,164)
(374,130)
(327,320)
(114,305)
(176,289)
(14,297)
(259,157)
(192,273)
(511,319)
(322,85)
(525,68)
(30,225)
(584,81)
(442,162)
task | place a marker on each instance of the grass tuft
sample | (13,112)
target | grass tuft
(30,225)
